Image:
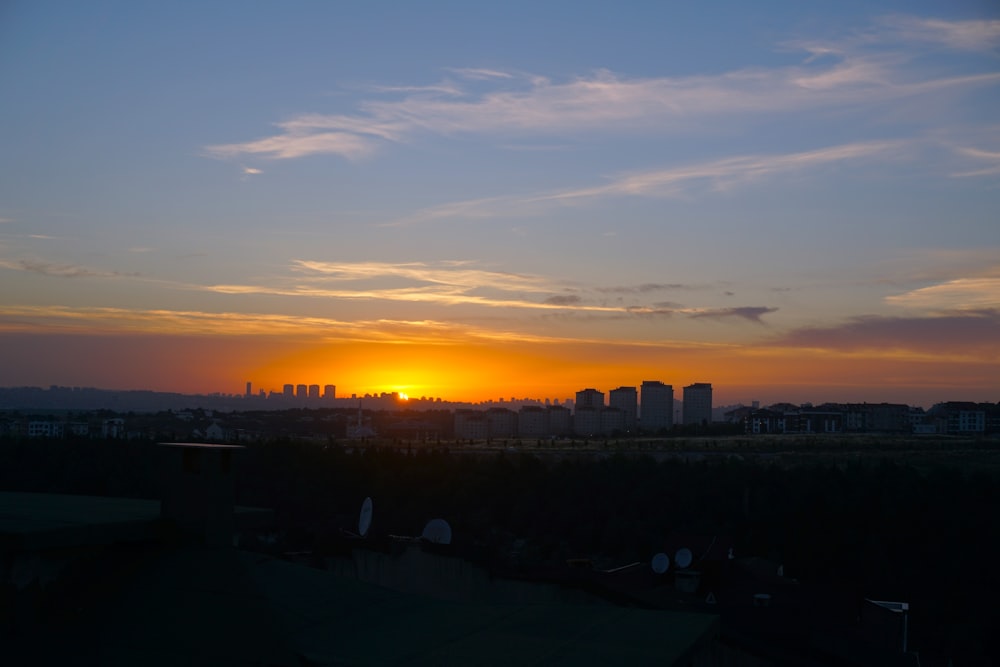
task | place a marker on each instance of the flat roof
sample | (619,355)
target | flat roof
(200,445)
(335,620)
(32,521)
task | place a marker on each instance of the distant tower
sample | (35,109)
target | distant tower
(288,391)
(626,400)
(329,391)
(698,403)
(656,406)
(314,391)
(301,391)
(249,392)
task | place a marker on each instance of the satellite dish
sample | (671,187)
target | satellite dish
(437,531)
(661,563)
(365,518)
(683,557)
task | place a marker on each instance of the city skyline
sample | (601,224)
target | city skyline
(663,405)
(796,203)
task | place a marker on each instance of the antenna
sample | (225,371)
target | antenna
(683,557)
(437,531)
(365,518)
(660,563)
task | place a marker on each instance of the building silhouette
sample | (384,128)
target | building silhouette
(698,403)
(626,400)
(656,406)
(589,398)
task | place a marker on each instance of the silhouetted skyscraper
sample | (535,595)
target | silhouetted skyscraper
(698,403)
(656,406)
(626,400)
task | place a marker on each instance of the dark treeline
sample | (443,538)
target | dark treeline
(881,529)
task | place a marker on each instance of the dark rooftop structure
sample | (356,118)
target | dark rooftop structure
(115,581)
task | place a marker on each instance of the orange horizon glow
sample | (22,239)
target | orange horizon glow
(476,373)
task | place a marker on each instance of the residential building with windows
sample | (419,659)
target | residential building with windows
(656,406)
(697,407)
(626,400)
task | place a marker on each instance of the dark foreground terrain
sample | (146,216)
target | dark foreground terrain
(888,521)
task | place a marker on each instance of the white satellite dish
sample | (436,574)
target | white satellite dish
(661,563)
(437,531)
(683,557)
(365,518)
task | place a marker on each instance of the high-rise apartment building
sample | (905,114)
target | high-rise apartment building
(301,391)
(698,403)
(626,400)
(656,406)
(288,391)
(314,391)
(590,398)
(329,391)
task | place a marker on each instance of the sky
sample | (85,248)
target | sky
(792,201)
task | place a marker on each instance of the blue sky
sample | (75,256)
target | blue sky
(762,178)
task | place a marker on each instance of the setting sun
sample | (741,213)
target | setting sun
(403,397)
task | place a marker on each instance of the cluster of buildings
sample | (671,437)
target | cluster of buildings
(627,411)
(296,391)
(51,428)
(650,409)
(948,418)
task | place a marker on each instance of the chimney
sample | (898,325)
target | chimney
(198,491)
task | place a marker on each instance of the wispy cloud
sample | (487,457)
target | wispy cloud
(645,288)
(298,144)
(438,294)
(958,294)
(968,333)
(728,172)
(64,319)
(563,300)
(748,313)
(971,35)
(460,283)
(859,69)
(454,273)
(715,175)
(987,162)
(480,73)
(446,283)
(60,270)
